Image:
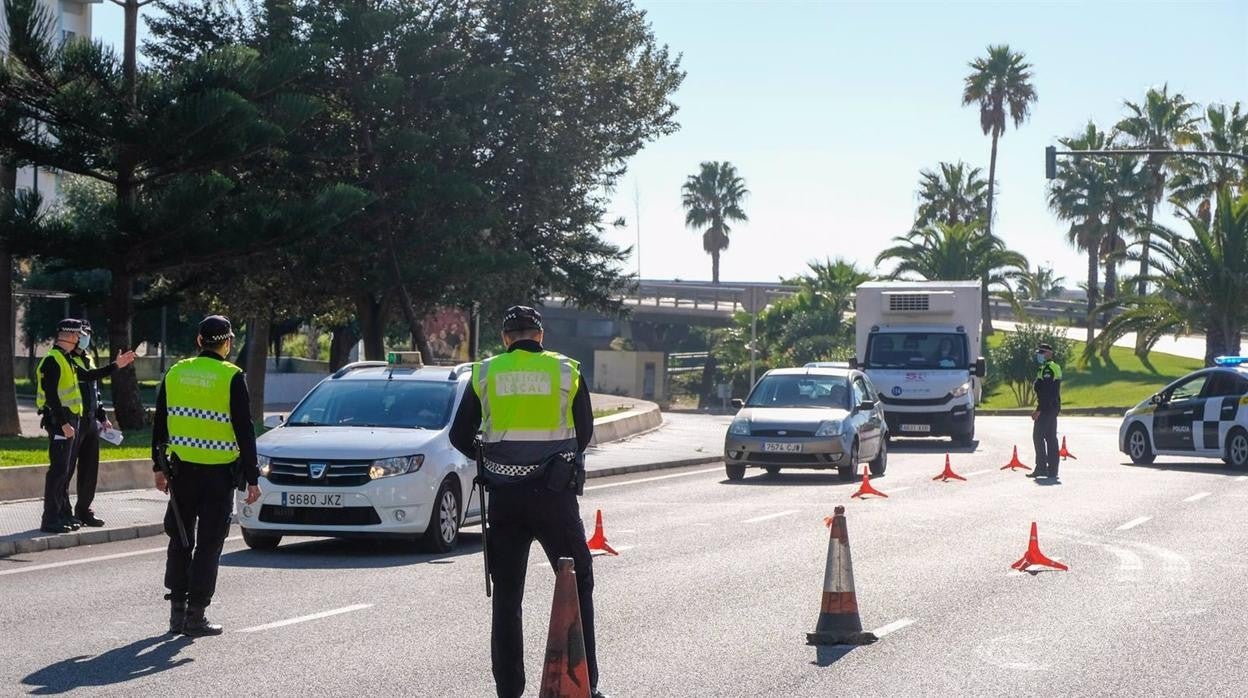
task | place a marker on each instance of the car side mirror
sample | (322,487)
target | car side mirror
(981,368)
(737,403)
(274,421)
(866,405)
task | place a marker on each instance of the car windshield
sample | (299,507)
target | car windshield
(413,404)
(801,391)
(917,350)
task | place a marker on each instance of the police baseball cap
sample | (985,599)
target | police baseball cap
(215,329)
(1045,347)
(86,326)
(69,324)
(521,317)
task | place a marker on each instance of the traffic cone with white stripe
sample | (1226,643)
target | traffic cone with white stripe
(598,541)
(839,623)
(1065,453)
(948,474)
(1015,463)
(865,488)
(566,671)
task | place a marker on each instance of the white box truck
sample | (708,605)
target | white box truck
(919,342)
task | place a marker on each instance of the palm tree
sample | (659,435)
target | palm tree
(1040,284)
(712,198)
(1162,122)
(1201,278)
(956,194)
(1001,85)
(1078,195)
(957,252)
(1197,181)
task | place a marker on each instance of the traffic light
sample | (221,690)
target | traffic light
(1050,162)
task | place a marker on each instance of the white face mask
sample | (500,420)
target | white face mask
(84,341)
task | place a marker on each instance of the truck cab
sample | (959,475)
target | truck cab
(919,344)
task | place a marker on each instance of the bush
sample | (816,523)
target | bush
(1013,361)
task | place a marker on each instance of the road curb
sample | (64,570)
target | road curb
(111,535)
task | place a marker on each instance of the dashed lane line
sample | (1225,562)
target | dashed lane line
(1197,497)
(98,558)
(304,619)
(768,517)
(892,627)
(982,472)
(653,479)
(1134,522)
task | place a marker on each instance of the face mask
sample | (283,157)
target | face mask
(84,341)
(1040,358)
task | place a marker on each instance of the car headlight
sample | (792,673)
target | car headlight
(962,390)
(831,427)
(265,464)
(739,427)
(387,467)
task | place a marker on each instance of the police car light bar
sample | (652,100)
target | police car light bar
(1231,360)
(408,359)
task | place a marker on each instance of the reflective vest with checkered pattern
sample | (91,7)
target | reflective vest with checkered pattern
(66,389)
(197,396)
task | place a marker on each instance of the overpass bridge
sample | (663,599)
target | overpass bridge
(692,302)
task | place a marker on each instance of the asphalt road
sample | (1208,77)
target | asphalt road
(715,588)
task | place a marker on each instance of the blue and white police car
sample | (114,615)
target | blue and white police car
(1204,413)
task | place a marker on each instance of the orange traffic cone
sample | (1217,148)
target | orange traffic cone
(598,541)
(948,474)
(1064,453)
(1015,463)
(1033,556)
(566,672)
(839,623)
(865,488)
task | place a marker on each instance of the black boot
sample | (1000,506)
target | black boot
(199,626)
(177,615)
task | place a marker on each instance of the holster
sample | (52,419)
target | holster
(560,473)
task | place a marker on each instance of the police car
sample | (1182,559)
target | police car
(1202,414)
(367,453)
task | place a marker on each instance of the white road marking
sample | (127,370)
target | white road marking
(768,517)
(304,619)
(1134,522)
(981,472)
(652,479)
(892,627)
(1241,478)
(99,558)
(900,489)
(1198,496)
(1127,559)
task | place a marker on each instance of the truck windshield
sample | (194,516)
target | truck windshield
(408,404)
(917,350)
(801,391)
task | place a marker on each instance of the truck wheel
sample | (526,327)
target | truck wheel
(881,459)
(259,541)
(735,472)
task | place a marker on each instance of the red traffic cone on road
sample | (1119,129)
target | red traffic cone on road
(948,474)
(598,541)
(1015,463)
(566,671)
(865,488)
(839,623)
(1033,556)
(1064,453)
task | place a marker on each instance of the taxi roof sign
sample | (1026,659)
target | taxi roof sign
(408,359)
(1231,360)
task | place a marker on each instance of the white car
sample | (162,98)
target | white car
(367,453)
(1204,413)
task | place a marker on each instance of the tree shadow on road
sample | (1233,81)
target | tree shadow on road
(1209,467)
(345,553)
(151,655)
(930,446)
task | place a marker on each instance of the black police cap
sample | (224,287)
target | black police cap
(521,317)
(1045,347)
(215,329)
(69,324)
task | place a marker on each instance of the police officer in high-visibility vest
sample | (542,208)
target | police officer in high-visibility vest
(203,418)
(535,420)
(1048,387)
(86,462)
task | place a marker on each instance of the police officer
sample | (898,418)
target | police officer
(1048,386)
(86,463)
(535,418)
(203,418)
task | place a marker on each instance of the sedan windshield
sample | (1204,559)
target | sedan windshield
(917,350)
(377,403)
(801,391)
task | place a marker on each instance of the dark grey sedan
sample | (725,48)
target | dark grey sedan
(812,418)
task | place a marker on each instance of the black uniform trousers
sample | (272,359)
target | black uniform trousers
(1044,437)
(518,515)
(86,466)
(61,455)
(205,496)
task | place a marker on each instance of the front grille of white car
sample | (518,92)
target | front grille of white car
(335,473)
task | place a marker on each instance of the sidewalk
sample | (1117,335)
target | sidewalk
(682,440)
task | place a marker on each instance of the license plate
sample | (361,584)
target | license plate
(916,427)
(311,499)
(781,448)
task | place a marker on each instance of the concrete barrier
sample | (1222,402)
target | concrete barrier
(643,417)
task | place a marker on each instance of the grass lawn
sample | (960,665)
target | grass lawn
(1121,382)
(26,450)
(599,414)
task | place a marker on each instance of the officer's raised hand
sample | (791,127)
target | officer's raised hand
(125,359)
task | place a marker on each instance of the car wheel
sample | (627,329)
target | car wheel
(443,530)
(773,469)
(260,541)
(1140,451)
(848,471)
(1237,449)
(735,472)
(881,459)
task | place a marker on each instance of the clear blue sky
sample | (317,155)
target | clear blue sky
(829,111)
